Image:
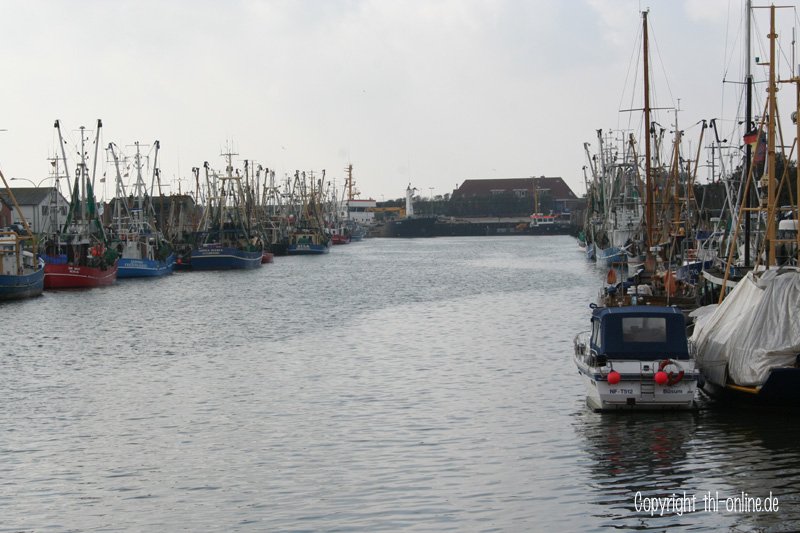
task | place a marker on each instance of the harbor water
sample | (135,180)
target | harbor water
(391,385)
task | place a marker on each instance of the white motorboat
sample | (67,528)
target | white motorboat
(636,357)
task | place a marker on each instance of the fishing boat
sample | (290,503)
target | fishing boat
(748,344)
(356,210)
(614,218)
(340,235)
(636,357)
(226,240)
(21,271)
(142,248)
(355,230)
(307,235)
(309,242)
(78,256)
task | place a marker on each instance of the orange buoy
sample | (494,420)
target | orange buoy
(611,277)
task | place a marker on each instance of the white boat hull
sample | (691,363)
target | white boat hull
(629,395)
(637,388)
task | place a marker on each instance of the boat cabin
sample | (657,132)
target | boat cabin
(639,332)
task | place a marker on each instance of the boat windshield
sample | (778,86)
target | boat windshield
(644,329)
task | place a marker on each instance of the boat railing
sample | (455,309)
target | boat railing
(581,341)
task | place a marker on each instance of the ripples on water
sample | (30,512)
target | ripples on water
(421,385)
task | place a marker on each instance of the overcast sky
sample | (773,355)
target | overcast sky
(427,92)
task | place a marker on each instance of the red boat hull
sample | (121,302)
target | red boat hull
(266,257)
(340,239)
(78,277)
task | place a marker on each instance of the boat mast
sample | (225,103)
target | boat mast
(676,173)
(648,170)
(157,178)
(140,187)
(796,209)
(156,171)
(121,200)
(748,154)
(349,184)
(772,90)
(83,173)
(96,147)
(57,126)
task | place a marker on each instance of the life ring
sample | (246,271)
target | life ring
(672,377)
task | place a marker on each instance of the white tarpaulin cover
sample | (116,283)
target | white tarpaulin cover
(754,329)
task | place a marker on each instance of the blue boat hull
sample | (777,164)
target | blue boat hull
(308,249)
(145,268)
(692,271)
(16,287)
(224,259)
(610,255)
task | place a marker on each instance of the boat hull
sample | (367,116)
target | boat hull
(610,256)
(221,258)
(145,268)
(308,249)
(412,227)
(590,252)
(636,391)
(14,287)
(781,390)
(65,276)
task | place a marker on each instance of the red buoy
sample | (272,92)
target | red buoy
(613,377)
(661,377)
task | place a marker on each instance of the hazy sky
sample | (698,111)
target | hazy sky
(427,92)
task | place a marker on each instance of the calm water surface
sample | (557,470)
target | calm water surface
(418,385)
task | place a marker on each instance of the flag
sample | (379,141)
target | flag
(760,149)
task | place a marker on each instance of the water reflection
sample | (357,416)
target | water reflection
(712,452)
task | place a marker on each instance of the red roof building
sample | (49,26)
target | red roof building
(555,188)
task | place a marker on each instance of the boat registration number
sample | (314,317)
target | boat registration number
(620,391)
